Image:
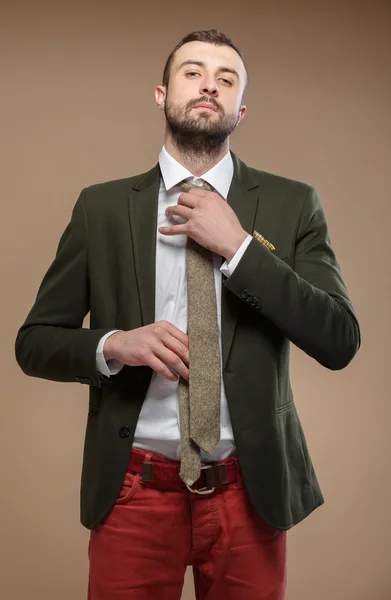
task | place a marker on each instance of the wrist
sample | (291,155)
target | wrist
(235,245)
(110,346)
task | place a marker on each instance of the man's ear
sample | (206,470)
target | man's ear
(160,96)
(242,112)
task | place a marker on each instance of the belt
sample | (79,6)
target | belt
(155,468)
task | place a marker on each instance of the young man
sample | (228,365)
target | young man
(194,452)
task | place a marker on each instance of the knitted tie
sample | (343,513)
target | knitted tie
(199,398)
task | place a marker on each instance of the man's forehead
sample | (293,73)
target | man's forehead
(210,54)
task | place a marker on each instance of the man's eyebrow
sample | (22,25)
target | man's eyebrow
(200,63)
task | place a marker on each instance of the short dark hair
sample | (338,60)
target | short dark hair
(212,36)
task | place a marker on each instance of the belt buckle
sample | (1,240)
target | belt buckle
(206,490)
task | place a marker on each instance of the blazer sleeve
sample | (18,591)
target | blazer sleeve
(51,343)
(309,303)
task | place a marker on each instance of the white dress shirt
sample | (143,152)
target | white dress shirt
(157,428)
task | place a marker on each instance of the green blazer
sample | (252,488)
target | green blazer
(105,264)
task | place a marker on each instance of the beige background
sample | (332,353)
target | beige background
(78,108)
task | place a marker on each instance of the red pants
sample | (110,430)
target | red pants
(141,549)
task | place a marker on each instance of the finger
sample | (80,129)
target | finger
(187,199)
(161,369)
(176,346)
(169,357)
(180,211)
(174,230)
(177,333)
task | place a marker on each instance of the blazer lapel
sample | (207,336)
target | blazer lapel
(243,199)
(143,205)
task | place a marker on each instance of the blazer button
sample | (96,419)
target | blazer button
(244,294)
(124,431)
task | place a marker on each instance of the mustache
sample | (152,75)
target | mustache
(211,101)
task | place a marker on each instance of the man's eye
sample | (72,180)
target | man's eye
(226,81)
(192,73)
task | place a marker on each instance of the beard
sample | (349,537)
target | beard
(200,136)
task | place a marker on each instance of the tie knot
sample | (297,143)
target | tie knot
(186,186)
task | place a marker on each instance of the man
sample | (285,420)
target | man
(194,452)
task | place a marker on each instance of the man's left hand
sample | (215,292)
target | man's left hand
(210,221)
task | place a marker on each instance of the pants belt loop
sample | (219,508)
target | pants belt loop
(147,467)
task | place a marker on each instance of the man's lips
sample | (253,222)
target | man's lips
(205,105)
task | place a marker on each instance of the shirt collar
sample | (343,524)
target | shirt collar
(219,176)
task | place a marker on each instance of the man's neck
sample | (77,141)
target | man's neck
(197,164)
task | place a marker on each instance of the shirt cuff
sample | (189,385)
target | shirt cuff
(111,367)
(227,268)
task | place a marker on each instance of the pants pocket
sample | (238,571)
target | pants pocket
(129,487)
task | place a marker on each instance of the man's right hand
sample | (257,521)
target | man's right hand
(151,345)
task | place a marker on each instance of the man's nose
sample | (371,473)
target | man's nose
(209,87)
